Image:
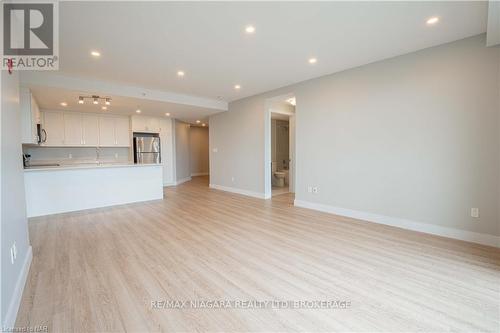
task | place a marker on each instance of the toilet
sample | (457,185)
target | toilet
(280,178)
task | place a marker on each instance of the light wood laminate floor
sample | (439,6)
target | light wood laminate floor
(99,270)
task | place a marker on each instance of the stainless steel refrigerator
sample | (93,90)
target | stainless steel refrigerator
(146,148)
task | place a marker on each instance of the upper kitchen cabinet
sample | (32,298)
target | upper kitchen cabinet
(78,129)
(114,131)
(122,131)
(106,131)
(146,124)
(53,125)
(90,129)
(73,131)
(30,117)
(81,129)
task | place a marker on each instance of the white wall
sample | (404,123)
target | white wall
(182,155)
(415,138)
(238,138)
(198,150)
(13,209)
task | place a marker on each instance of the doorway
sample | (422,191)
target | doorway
(280,146)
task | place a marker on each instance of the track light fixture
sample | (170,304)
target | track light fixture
(95,99)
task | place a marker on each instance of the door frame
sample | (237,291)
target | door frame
(267,142)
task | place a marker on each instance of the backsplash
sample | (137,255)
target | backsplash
(72,155)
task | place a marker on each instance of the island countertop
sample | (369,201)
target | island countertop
(68,188)
(85,166)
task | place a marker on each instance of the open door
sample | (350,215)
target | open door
(291,185)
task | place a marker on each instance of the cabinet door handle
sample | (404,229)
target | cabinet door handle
(44,136)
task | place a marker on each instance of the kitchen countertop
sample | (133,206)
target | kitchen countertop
(85,166)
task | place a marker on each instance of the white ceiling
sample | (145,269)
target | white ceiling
(146,43)
(49,98)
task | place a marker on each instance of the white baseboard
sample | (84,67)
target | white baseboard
(199,174)
(183,180)
(460,234)
(15,302)
(238,191)
(178,182)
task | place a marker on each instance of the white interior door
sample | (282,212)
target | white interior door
(291,171)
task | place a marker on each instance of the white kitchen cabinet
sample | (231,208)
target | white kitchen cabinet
(122,132)
(139,123)
(167,158)
(106,131)
(146,124)
(53,124)
(90,130)
(30,117)
(153,125)
(76,129)
(73,130)
(114,131)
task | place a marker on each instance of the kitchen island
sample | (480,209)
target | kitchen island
(67,188)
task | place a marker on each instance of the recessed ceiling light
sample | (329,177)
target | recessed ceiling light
(203,125)
(104,108)
(180,74)
(433,20)
(237,87)
(198,121)
(138,111)
(167,114)
(95,53)
(250,29)
(312,61)
(64,104)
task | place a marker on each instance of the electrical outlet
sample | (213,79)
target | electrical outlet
(232,179)
(315,190)
(70,156)
(215,150)
(116,155)
(474,212)
(309,189)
